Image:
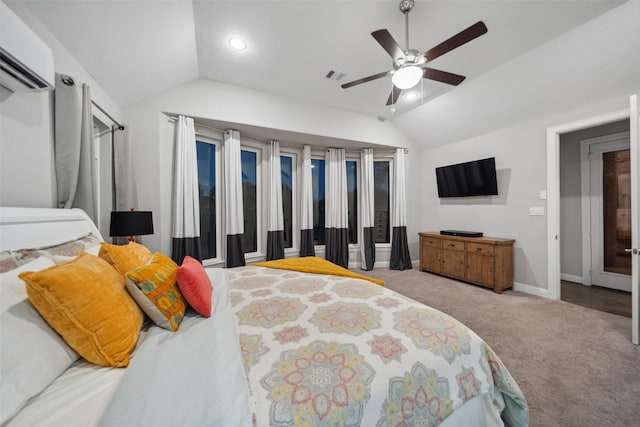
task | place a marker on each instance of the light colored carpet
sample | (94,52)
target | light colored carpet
(576,366)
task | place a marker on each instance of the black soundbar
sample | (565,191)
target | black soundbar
(461,233)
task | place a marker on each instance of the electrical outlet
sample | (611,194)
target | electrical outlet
(536,211)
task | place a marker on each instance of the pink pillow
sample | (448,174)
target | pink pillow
(195,285)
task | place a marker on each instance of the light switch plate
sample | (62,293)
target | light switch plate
(543,195)
(536,211)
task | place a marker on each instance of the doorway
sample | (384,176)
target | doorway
(608,172)
(584,278)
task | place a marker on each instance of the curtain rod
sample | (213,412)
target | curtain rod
(69,81)
(115,122)
(175,118)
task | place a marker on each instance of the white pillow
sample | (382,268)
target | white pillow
(33,354)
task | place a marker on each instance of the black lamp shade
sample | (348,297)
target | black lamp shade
(131,223)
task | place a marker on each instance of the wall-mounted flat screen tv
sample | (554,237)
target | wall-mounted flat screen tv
(476,178)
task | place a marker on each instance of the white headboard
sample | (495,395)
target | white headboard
(22,228)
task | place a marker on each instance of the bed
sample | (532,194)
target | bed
(282,347)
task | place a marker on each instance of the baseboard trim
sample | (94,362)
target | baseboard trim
(571,278)
(385,264)
(531,290)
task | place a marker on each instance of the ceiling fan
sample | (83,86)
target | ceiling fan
(409,65)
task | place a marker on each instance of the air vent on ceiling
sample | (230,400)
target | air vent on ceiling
(335,75)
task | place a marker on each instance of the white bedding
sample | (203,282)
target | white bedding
(196,377)
(192,377)
(157,389)
(77,398)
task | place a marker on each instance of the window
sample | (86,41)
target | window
(381,202)
(286,172)
(317,180)
(352,200)
(206,154)
(249,161)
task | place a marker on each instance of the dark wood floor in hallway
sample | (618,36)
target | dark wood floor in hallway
(598,298)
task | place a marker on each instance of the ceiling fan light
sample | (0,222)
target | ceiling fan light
(407,77)
(237,43)
(411,96)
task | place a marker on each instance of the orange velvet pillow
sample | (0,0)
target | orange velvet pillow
(195,285)
(154,288)
(124,257)
(84,300)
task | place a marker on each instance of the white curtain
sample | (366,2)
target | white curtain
(76,174)
(306,206)
(275,219)
(400,258)
(368,245)
(336,208)
(185,230)
(233,199)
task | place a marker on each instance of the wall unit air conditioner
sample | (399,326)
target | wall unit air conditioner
(26,62)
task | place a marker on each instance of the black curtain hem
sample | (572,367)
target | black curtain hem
(183,246)
(337,246)
(369,248)
(306,243)
(275,245)
(235,251)
(400,257)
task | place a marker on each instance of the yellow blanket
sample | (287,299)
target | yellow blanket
(312,264)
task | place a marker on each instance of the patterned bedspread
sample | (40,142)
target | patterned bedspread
(325,350)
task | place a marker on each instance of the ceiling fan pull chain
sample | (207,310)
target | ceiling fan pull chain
(421,95)
(393,101)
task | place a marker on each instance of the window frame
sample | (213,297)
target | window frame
(389,159)
(248,144)
(296,165)
(355,157)
(319,155)
(217,143)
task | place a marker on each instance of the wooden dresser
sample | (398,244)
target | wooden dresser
(486,261)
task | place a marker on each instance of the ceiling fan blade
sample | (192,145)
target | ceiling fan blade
(393,96)
(464,36)
(388,43)
(442,76)
(365,79)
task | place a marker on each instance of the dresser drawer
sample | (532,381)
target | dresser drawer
(456,245)
(428,241)
(480,248)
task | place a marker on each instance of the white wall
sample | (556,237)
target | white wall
(520,152)
(152,135)
(26,123)
(571,195)
(27,176)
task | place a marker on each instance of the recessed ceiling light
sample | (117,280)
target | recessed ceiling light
(411,96)
(237,43)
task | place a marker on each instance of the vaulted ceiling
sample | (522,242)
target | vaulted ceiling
(135,49)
